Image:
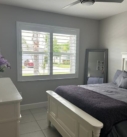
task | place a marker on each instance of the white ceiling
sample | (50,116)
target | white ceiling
(96,11)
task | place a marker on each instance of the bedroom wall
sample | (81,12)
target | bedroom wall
(113,36)
(34,92)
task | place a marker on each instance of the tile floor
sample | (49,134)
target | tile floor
(34,124)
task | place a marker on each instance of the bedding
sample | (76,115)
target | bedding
(98,101)
(119,130)
(95,80)
(123,83)
(118,72)
(119,79)
(108,89)
(113,91)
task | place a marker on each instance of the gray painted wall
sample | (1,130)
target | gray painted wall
(35,91)
(113,36)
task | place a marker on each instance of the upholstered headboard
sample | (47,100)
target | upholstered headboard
(124,61)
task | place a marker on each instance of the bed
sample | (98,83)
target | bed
(72,121)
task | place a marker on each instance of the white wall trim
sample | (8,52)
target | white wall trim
(34,105)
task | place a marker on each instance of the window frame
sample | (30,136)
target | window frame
(50,29)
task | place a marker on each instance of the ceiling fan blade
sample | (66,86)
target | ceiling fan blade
(72,4)
(116,1)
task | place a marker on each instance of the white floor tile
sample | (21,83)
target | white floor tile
(40,116)
(27,118)
(46,107)
(43,124)
(29,127)
(51,132)
(38,110)
(25,112)
(33,134)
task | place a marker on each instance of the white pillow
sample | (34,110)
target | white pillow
(118,72)
(120,78)
(123,83)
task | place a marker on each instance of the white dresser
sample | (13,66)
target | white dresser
(9,108)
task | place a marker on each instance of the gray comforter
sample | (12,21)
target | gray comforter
(110,90)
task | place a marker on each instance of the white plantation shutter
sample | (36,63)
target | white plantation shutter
(35,53)
(64,54)
(46,52)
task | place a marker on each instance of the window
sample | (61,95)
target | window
(46,52)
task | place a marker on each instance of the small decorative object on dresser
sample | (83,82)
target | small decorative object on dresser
(3,63)
(9,109)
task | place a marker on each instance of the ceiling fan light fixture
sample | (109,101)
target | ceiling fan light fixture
(88,2)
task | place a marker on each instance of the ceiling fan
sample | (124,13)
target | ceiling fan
(91,2)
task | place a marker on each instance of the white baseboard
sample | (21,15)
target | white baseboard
(34,105)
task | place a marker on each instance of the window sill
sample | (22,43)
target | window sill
(34,78)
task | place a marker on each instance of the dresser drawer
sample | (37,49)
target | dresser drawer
(9,111)
(9,129)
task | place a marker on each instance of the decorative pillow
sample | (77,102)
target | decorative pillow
(120,77)
(118,72)
(123,83)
